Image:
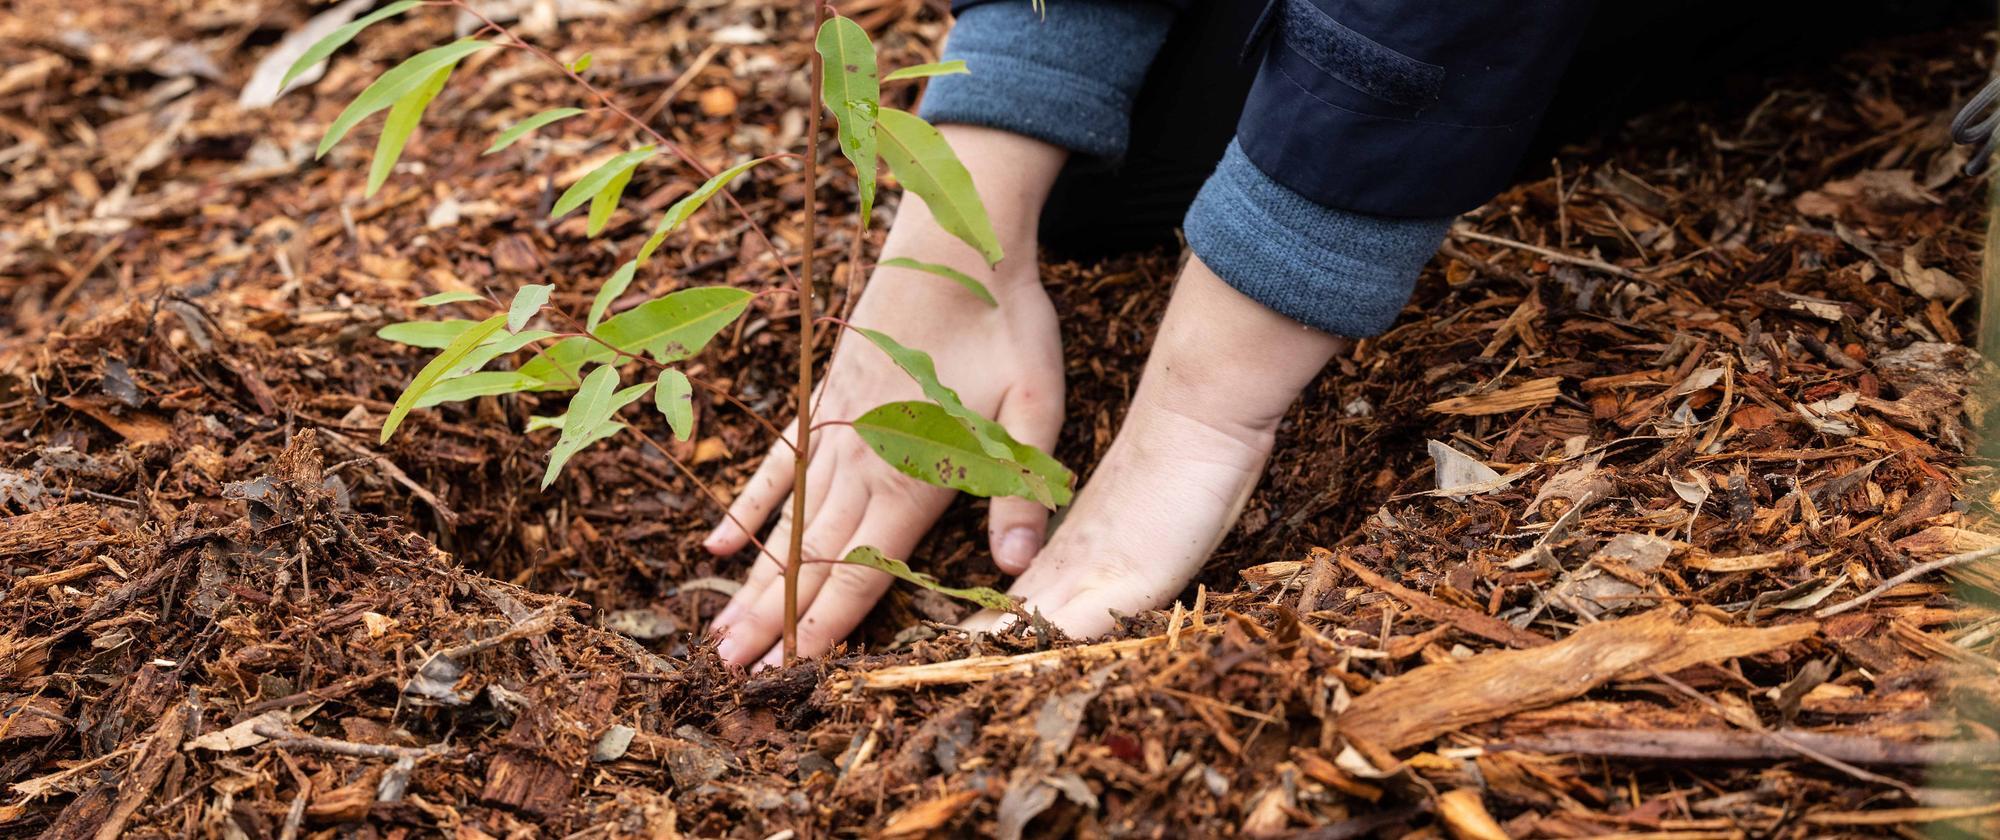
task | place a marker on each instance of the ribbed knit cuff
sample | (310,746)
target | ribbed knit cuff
(1340,272)
(1068,80)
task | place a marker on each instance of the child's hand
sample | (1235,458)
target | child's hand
(1005,362)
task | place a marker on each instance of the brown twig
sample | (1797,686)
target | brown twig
(1912,574)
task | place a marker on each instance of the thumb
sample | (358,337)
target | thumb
(1017,528)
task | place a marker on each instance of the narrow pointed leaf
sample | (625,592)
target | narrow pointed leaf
(609,292)
(955,67)
(588,411)
(523,128)
(850,89)
(948,273)
(435,335)
(671,328)
(926,165)
(923,441)
(528,300)
(684,208)
(673,395)
(605,202)
(393,85)
(499,345)
(446,360)
(619,400)
(403,118)
(338,38)
(873,558)
(442,298)
(480,384)
(590,185)
(919,366)
(581,63)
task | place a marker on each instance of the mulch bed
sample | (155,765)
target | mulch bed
(1594,543)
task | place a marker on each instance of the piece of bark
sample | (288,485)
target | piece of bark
(1532,394)
(1737,745)
(1415,707)
(46,530)
(1466,817)
(145,771)
(1477,623)
(536,767)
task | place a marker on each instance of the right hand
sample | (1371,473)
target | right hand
(1005,362)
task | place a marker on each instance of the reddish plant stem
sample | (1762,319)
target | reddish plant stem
(803,446)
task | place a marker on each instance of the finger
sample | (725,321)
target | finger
(762,620)
(844,597)
(762,572)
(1017,528)
(767,487)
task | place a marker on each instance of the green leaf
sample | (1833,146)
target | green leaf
(671,328)
(338,38)
(873,558)
(674,397)
(948,273)
(496,347)
(955,67)
(849,88)
(528,300)
(446,360)
(480,384)
(608,294)
(432,334)
(925,442)
(926,165)
(684,208)
(442,298)
(588,412)
(581,63)
(413,73)
(919,366)
(523,128)
(605,202)
(403,118)
(619,400)
(590,185)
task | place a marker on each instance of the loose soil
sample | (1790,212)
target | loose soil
(1699,389)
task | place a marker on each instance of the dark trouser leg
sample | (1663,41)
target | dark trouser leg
(1181,122)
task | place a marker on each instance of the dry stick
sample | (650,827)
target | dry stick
(1754,725)
(1914,573)
(804,397)
(283,738)
(1555,255)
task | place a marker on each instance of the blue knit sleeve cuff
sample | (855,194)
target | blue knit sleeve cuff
(1068,80)
(1333,270)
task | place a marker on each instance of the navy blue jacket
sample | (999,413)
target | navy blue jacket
(1406,108)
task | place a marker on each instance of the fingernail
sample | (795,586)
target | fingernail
(1017,547)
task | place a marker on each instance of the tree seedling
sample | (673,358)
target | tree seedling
(937,440)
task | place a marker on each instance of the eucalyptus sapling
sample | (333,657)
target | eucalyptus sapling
(937,440)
